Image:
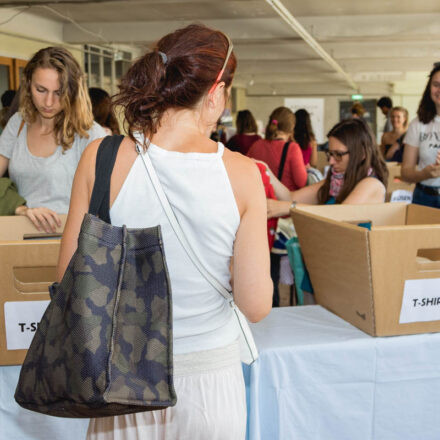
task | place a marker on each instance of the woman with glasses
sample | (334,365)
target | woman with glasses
(421,159)
(173,97)
(357,174)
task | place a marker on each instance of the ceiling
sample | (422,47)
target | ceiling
(371,47)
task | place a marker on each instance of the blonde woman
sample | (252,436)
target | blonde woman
(392,141)
(42,143)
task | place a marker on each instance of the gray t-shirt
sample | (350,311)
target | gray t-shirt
(426,137)
(43,181)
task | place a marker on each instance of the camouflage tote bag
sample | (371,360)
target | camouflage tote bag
(104,344)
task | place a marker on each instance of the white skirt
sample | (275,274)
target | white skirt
(211,403)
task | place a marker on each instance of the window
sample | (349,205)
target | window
(104,67)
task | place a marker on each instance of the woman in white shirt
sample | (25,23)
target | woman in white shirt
(173,97)
(421,158)
(42,143)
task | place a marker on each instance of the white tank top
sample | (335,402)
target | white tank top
(200,193)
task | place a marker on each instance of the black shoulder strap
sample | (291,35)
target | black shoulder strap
(105,161)
(283,160)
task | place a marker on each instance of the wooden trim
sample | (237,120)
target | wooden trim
(17,64)
(9,62)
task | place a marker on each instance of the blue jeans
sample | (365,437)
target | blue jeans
(421,198)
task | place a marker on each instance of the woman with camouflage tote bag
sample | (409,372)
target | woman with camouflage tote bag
(172,97)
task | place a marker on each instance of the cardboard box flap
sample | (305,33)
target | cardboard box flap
(422,215)
(16,227)
(337,257)
(378,214)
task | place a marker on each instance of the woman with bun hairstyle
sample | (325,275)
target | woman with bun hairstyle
(42,143)
(279,134)
(421,157)
(173,97)
(357,175)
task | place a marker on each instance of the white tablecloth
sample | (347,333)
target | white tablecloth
(319,378)
(17,423)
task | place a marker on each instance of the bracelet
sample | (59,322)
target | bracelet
(293,205)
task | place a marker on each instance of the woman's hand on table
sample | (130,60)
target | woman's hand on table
(44,219)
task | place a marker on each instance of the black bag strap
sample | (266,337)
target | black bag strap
(283,160)
(105,161)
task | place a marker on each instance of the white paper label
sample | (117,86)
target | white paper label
(401,195)
(421,301)
(21,321)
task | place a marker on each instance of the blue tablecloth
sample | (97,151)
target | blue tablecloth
(319,378)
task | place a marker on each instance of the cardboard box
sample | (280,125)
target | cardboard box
(27,268)
(395,183)
(322,161)
(365,276)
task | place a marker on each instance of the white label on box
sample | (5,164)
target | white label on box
(421,301)
(21,321)
(401,195)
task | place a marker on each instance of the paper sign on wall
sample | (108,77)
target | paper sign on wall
(315,107)
(421,301)
(21,321)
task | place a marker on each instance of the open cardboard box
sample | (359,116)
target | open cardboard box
(28,260)
(363,276)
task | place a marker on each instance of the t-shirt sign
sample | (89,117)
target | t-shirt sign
(21,322)
(421,301)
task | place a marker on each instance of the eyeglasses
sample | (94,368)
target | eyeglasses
(337,155)
(228,55)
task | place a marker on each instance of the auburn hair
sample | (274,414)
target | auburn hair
(76,115)
(427,109)
(179,70)
(364,155)
(281,119)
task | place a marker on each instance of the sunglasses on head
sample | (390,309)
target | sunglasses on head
(337,155)
(220,74)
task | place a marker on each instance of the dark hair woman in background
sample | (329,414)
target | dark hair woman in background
(358,173)
(304,136)
(247,133)
(103,111)
(421,158)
